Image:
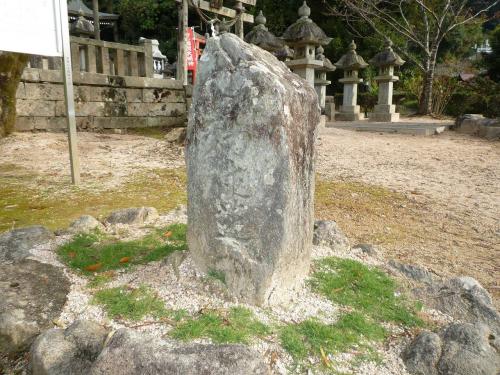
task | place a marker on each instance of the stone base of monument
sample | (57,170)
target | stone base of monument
(383,117)
(349,113)
(384,113)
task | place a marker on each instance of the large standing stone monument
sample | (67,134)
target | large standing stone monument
(386,60)
(250,162)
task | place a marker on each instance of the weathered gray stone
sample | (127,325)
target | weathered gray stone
(467,350)
(328,233)
(15,244)
(33,294)
(28,107)
(250,161)
(367,249)
(478,125)
(464,299)
(156,109)
(130,353)
(132,215)
(176,135)
(422,355)
(68,352)
(85,224)
(459,349)
(413,272)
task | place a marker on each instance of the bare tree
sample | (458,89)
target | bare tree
(422,24)
(11,69)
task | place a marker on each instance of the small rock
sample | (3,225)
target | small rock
(366,249)
(16,244)
(329,234)
(422,355)
(32,305)
(459,349)
(70,351)
(85,224)
(413,272)
(462,298)
(132,215)
(131,353)
(176,135)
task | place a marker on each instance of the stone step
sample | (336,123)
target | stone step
(413,128)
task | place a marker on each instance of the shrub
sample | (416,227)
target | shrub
(478,95)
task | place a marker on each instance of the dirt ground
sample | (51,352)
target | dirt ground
(432,201)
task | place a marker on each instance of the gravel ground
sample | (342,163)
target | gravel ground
(193,292)
(451,185)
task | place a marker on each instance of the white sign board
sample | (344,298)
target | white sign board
(31,26)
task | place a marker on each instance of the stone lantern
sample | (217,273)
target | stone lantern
(160,61)
(386,60)
(82,27)
(304,36)
(351,63)
(321,82)
(262,37)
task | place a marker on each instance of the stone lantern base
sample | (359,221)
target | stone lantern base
(349,113)
(384,113)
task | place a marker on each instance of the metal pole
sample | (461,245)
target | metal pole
(68,94)
(185,15)
(97,27)
(181,34)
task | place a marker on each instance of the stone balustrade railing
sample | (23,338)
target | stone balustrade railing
(101,57)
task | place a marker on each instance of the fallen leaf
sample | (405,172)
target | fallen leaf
(125,260)
(93,267)
(168,234)
(72,254)
(324,358)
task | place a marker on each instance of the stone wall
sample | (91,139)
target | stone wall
(101,101)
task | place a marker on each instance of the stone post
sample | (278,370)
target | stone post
(148,56)
(239,26)
(351,63)
(386,60)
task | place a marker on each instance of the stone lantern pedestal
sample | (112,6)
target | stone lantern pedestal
(386,60)
(351,63)
(321,82)
(349,110)
(385,111)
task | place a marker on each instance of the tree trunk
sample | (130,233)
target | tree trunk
(11,69)
(425,103)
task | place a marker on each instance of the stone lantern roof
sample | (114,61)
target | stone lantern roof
(387,57)
(262,37)
(327,64)
(351,60)
(305,31)
(82,26)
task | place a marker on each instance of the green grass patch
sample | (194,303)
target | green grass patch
(91,253)
(368,290)
(238,325)
(311,337)
(30,199)
(217,275)
(131,304)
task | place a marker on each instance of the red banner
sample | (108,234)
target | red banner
(192,61)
